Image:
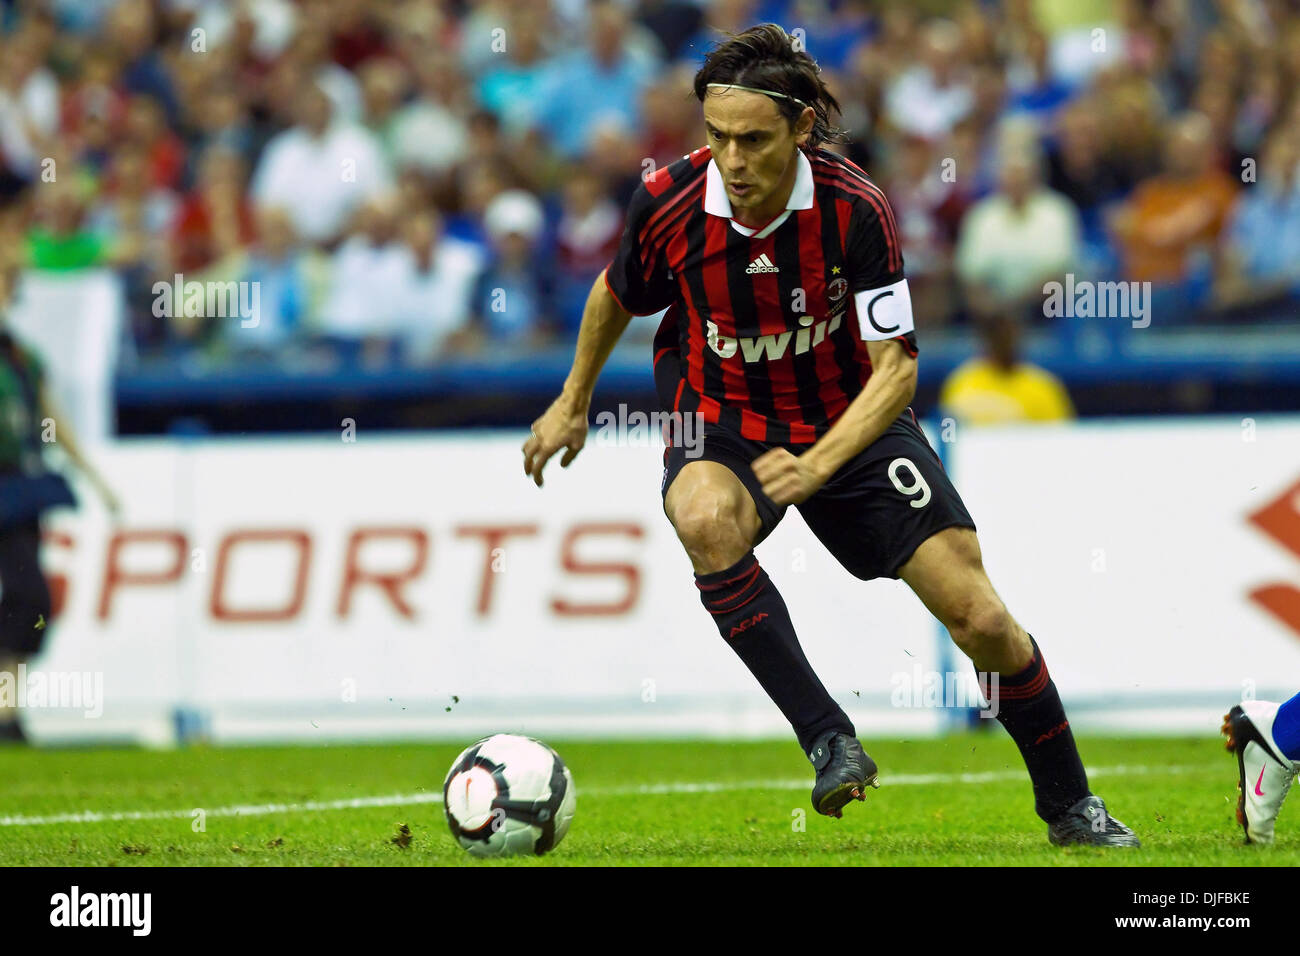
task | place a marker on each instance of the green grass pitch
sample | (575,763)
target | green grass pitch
(956,801)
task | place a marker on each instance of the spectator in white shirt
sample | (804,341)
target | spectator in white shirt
(29,107)
(434,296)
(364,271)
(429,133)
(928,99)
(320,169)
(1014,241)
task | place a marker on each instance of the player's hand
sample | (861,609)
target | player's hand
(563,425)
(787,479)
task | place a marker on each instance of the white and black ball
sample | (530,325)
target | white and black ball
(509,795)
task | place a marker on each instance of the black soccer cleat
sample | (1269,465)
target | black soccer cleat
(844,772)
(1088,824)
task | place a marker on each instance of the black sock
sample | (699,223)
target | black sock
(752,618)
(1030,709)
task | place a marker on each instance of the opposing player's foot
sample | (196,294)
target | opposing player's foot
(1264,774)
(1088,823)
(844,772)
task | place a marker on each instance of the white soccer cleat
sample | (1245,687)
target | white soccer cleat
(1264,772)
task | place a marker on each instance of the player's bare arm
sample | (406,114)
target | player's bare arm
(564,424)
(72,448)
(790,479)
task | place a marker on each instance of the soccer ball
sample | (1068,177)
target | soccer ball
(508,795)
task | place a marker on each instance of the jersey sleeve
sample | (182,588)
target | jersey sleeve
(873,253)
(638,276)
(874,263)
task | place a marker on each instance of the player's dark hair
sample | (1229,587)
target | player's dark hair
(764,58)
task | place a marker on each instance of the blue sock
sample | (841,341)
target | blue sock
(1286,728)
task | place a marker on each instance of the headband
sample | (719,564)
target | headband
(750,89)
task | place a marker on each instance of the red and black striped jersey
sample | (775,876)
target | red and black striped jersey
(766,329)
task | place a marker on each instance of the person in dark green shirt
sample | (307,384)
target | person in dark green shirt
(28,423)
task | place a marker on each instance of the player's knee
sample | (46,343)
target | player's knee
(981,627)
(709,528)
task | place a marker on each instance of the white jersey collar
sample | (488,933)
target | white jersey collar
(716,202)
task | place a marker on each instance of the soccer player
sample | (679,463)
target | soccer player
(789,331)
(1266,736)
(27,488)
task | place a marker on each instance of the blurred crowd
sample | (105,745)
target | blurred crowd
(407,180)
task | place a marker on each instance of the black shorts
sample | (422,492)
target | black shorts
(24,590)
(873,513)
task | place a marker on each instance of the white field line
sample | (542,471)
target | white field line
(654,789)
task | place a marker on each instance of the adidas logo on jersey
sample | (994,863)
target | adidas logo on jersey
(761,264)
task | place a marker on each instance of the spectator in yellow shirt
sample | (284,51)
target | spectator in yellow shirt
(998,388)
